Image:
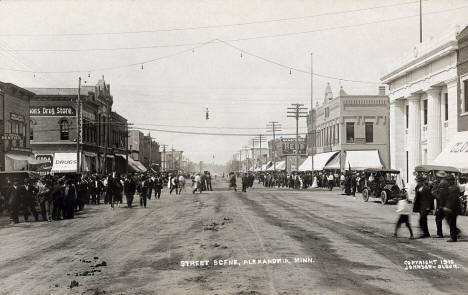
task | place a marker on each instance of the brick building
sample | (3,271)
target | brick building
(15,150)
(53,114)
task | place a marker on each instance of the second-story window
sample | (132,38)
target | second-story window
(350,132)
(369,132)
(64,130)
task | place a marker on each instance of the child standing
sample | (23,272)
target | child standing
(403,209)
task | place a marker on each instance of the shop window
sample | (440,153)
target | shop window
(369,132)
(350,132)
(64,130)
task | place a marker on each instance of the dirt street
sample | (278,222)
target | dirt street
(270,241)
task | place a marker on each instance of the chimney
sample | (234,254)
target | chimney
(381,90)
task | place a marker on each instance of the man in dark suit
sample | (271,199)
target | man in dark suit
(452,207)
(14,201)
(27,192)
(245,182)
(423,204)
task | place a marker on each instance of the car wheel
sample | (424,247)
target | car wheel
(365,195)
(383,197)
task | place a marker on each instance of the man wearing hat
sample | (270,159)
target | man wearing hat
(423,204)
(451,206)
(440,192)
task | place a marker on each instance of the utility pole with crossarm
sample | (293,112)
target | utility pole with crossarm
(297,110)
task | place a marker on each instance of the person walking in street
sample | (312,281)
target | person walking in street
(245,182)
(174,184)
(129,189)
(69,199)
(158,185)
(143,191)
(14,201)
(181,183)
(331,181)
(208,182)
(423,204)
(27,193)
(44,198)
(196,184)
(451,206)
(404,212)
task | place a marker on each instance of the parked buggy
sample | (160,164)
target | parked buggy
(382,183)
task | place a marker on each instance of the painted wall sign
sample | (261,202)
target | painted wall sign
(52,111)
(16,117)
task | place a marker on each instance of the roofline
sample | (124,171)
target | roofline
(445,48)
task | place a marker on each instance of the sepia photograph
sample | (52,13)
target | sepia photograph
(241,147)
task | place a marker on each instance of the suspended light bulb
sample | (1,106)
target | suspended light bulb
(34,75)
(290,72)
(89,75)
(241,54)
(142,66)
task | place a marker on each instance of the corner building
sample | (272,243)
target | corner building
(426,109)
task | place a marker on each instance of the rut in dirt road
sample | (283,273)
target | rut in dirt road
(337,270)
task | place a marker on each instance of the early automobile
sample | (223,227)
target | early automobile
(382,183)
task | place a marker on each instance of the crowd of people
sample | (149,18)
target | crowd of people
(57,197)
(349,181)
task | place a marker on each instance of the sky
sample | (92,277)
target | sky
(246,61)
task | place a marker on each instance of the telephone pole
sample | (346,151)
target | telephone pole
(164,146)
(273,127)
(297,110)
(246,148)
(78,127)
(258,139)
(312,140)
(172,156)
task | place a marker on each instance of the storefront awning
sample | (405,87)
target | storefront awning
(456,153)
(360,160)
(89,154)
(136,165)
(64,162)
(17,156)
(320,160)
(281,165)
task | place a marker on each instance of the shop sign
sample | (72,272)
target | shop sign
(48,158)
(16,117)
(52,111)
(88,115)
(12,136)
(459,147)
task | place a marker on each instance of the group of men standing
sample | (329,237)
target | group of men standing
(446,193)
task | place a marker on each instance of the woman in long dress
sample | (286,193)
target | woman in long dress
(314,184)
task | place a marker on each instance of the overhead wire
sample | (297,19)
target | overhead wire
(227,42)
(209,26)
(234,39)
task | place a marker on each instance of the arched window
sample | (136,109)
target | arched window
(64,130)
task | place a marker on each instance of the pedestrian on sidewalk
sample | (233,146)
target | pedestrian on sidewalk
(143,191)
(404,211)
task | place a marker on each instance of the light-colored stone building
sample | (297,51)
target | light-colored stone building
(424,103)
(349,130)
